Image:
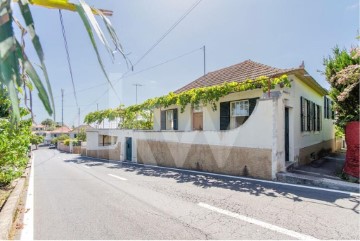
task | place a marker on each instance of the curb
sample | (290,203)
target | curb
(295,178)
(7,214)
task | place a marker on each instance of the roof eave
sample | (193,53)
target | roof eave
(304,76)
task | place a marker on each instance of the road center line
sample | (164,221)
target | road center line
(121,178)
(258,222)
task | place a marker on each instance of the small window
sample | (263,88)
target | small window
(169,120)
(169,115)
(240,108)
(197,109)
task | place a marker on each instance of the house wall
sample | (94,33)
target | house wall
(306,143)
(211,118)
(237,151)
(93,149)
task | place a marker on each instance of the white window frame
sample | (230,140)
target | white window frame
(243,106)
(169,120)
(169,115)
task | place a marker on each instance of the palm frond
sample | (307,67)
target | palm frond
(83,17)
(65,5)
(9,67)
(26,13)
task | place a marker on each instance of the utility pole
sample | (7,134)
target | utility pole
(62,107)
(204,60)
(136,86)
(31,108)
(79,118)
(97,106)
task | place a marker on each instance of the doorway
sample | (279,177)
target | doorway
(197,118)
(287,134)
(128,149)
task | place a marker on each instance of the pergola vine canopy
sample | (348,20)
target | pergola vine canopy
(194,97)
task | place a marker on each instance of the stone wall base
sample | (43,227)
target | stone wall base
(239,161)
(307,154)
(110,154)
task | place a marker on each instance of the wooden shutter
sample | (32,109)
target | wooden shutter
(318,117)
(325,107)
(252,104)
(224,115)
(302,117)
(307,115)
(175,119)
(163,120)
(313,120)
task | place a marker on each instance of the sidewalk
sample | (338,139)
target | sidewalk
(324,173)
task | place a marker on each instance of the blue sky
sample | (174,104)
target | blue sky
(278,33)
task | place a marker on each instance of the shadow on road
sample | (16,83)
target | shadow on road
(253,187)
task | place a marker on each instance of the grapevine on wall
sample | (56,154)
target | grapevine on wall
(194,97)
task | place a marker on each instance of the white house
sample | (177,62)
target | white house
(250,133)
(75,131)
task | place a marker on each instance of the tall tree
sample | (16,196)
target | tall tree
(342,71)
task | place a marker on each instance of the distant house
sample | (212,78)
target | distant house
(56,133)
(250,133)
(75,131)
(35,127)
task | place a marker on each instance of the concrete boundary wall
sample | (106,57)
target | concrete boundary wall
(105,152)
(235,152)
(62,147)
(263,134)
(240,161)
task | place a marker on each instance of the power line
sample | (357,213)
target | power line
(156,43)
(68,56)
(137,72)
(168,31)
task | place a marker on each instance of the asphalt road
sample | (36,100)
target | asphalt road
(81,198)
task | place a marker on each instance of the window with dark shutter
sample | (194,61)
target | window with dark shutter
(252,104)
(325,107)
(332,110)
(163,120)
(308,116)
(224,115)
(318,118)
(302,114)
(313,120)
(175,119)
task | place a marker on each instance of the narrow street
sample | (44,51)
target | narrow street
(81,198)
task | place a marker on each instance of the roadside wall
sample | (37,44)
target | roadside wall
(104,152)
(62,147)
(239,161)
(246,150)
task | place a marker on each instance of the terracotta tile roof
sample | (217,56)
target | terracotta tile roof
(238,73)
(63,129)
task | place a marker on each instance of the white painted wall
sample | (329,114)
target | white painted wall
(211,119)
(261,120)
(304,139)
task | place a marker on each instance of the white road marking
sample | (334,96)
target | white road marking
(258,222)
(27,232)
(121,178)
